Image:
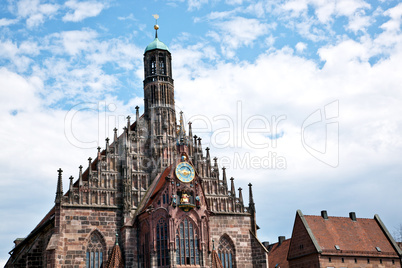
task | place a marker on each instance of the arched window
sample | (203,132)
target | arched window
(226,252)
(153,66)
(144,246)
(161,243)
(95,249)
(187,251)
(162,66)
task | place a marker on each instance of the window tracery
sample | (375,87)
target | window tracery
(161,243)
(187,246)
(95,250)
(226,252)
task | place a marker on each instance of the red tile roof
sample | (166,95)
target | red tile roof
(352,237)
(278,255)
(159,185)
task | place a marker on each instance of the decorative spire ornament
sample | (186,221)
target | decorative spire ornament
(156,26)
(59,191)
(232,187)
(80,183)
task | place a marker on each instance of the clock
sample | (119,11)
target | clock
(185,172)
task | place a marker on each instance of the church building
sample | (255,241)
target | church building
(153,197)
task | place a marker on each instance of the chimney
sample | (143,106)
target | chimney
(281,239)
(324,214)
(352,216)
(266,244)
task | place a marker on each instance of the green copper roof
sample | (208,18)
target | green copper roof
(156,44)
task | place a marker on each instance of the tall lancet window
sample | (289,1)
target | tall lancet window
(153,65)
(187,251)
(95,249)
(161,243)
(226,252)
(162,65)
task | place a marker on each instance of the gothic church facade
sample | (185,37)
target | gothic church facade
(150,198)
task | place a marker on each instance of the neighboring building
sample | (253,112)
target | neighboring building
(278,253)
(322,241)
(151,198)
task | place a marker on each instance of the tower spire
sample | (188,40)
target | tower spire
(115,140)
(190,131)
(59,191)
(208,163)
(240,195)
(232,187)
(251,199)
(80,183)
(251,209)
(137,120)
(182,138)
(70,192)
(224,176)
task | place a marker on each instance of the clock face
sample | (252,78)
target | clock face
(185,172)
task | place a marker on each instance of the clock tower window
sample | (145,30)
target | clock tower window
(153,66)
(162,65)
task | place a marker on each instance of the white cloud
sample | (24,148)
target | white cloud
(19,57)
(350,7)
(74,42)
(234,2)
(35,11)
(196,4)
(300,47)
(359,22)
(18,94)
(395,15)
(7,22)
(390,39)
(324,10)
(119,52)
(343,53)
(76,72)
(239,31)
(83,10)
(221,14)
(129,17)
(296,8)
(256,9)
(314,19)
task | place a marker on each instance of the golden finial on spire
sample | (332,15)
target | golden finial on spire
(156,27)
(156,17)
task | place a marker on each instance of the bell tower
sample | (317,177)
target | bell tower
(159,109)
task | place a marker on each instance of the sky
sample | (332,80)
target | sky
(302,98)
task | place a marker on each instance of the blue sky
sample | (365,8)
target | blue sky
(300,97)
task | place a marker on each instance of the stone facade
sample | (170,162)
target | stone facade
(237,228)
(131,197)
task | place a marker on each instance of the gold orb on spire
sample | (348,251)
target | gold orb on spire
(156,17)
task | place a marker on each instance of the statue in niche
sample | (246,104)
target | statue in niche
(184,199)
(174,200)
